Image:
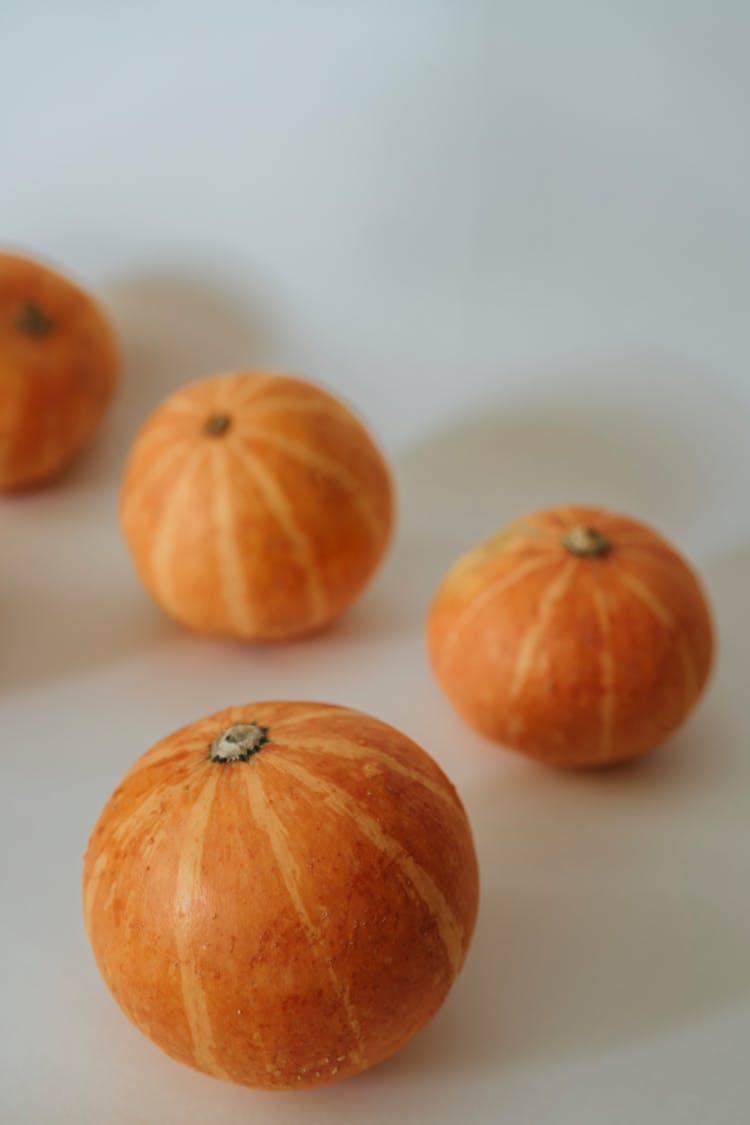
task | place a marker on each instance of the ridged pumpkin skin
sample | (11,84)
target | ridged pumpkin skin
(58,369)
(290,919)
(576,659)
(255,506)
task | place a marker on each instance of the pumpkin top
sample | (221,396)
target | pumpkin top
(238,743)
(256,505)
(576,635)
(217,424)
(33,320)
(58,368)
(53,330)
(586,542)
(292,920)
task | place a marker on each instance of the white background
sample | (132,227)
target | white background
(517,238)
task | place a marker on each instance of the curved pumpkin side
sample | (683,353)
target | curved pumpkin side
(289,908)
(59,366)
(578,637)
(255,506)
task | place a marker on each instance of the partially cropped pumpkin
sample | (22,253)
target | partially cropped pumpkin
(255,506)
(281,894)
(58,368)
(574,635)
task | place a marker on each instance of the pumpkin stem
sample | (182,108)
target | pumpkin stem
(586,542)
(217,424)
(239,743)
(33,320)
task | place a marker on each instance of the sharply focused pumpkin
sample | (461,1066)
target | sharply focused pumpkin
(281,894)
(576,636)
(255,506)
(58,368)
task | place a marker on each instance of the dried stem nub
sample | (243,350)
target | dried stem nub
(33,320)
(238,743)
(217,424)
(586,542)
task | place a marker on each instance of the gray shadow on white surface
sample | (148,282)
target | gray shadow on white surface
(395,605)
(61,627)
(666,447)
(172,326)
(612,913)
(608,916)
(612,905)
(65,602)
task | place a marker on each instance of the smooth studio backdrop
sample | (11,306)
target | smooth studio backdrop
(516,237)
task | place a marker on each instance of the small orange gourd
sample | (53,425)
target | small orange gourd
(58,369)
(281,894)
(576,636)
(255,506)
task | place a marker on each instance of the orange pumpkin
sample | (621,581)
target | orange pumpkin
(255,506)
(58,368)
(576,636)
(281,894)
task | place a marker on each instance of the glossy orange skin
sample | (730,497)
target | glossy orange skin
(573,661)
(267,529)
(291,919)
(58,369)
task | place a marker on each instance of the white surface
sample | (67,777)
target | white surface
(517,238)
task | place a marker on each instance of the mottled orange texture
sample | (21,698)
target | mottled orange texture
(289,919)
(575,635)
(58,369)
(255,506)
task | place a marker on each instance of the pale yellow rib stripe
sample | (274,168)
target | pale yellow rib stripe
(163,545)
(233,584)
(530,643)
(281,510)
(188,887)
(160,433)
(267,819)
(689,670)
(128,829)
(607,671)
(92,885)
(257,392)
(152,803)
(664,617)
(305,716)
(315,460)
(185,404)
(302,404)
(339,747)
(672,571)
(180,750)
(169,455)
(340,802)
(649,598)
(480,603)
(568,517)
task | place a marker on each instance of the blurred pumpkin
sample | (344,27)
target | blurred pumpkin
(576,636)
(281,894)
(58,369)
(255,506)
